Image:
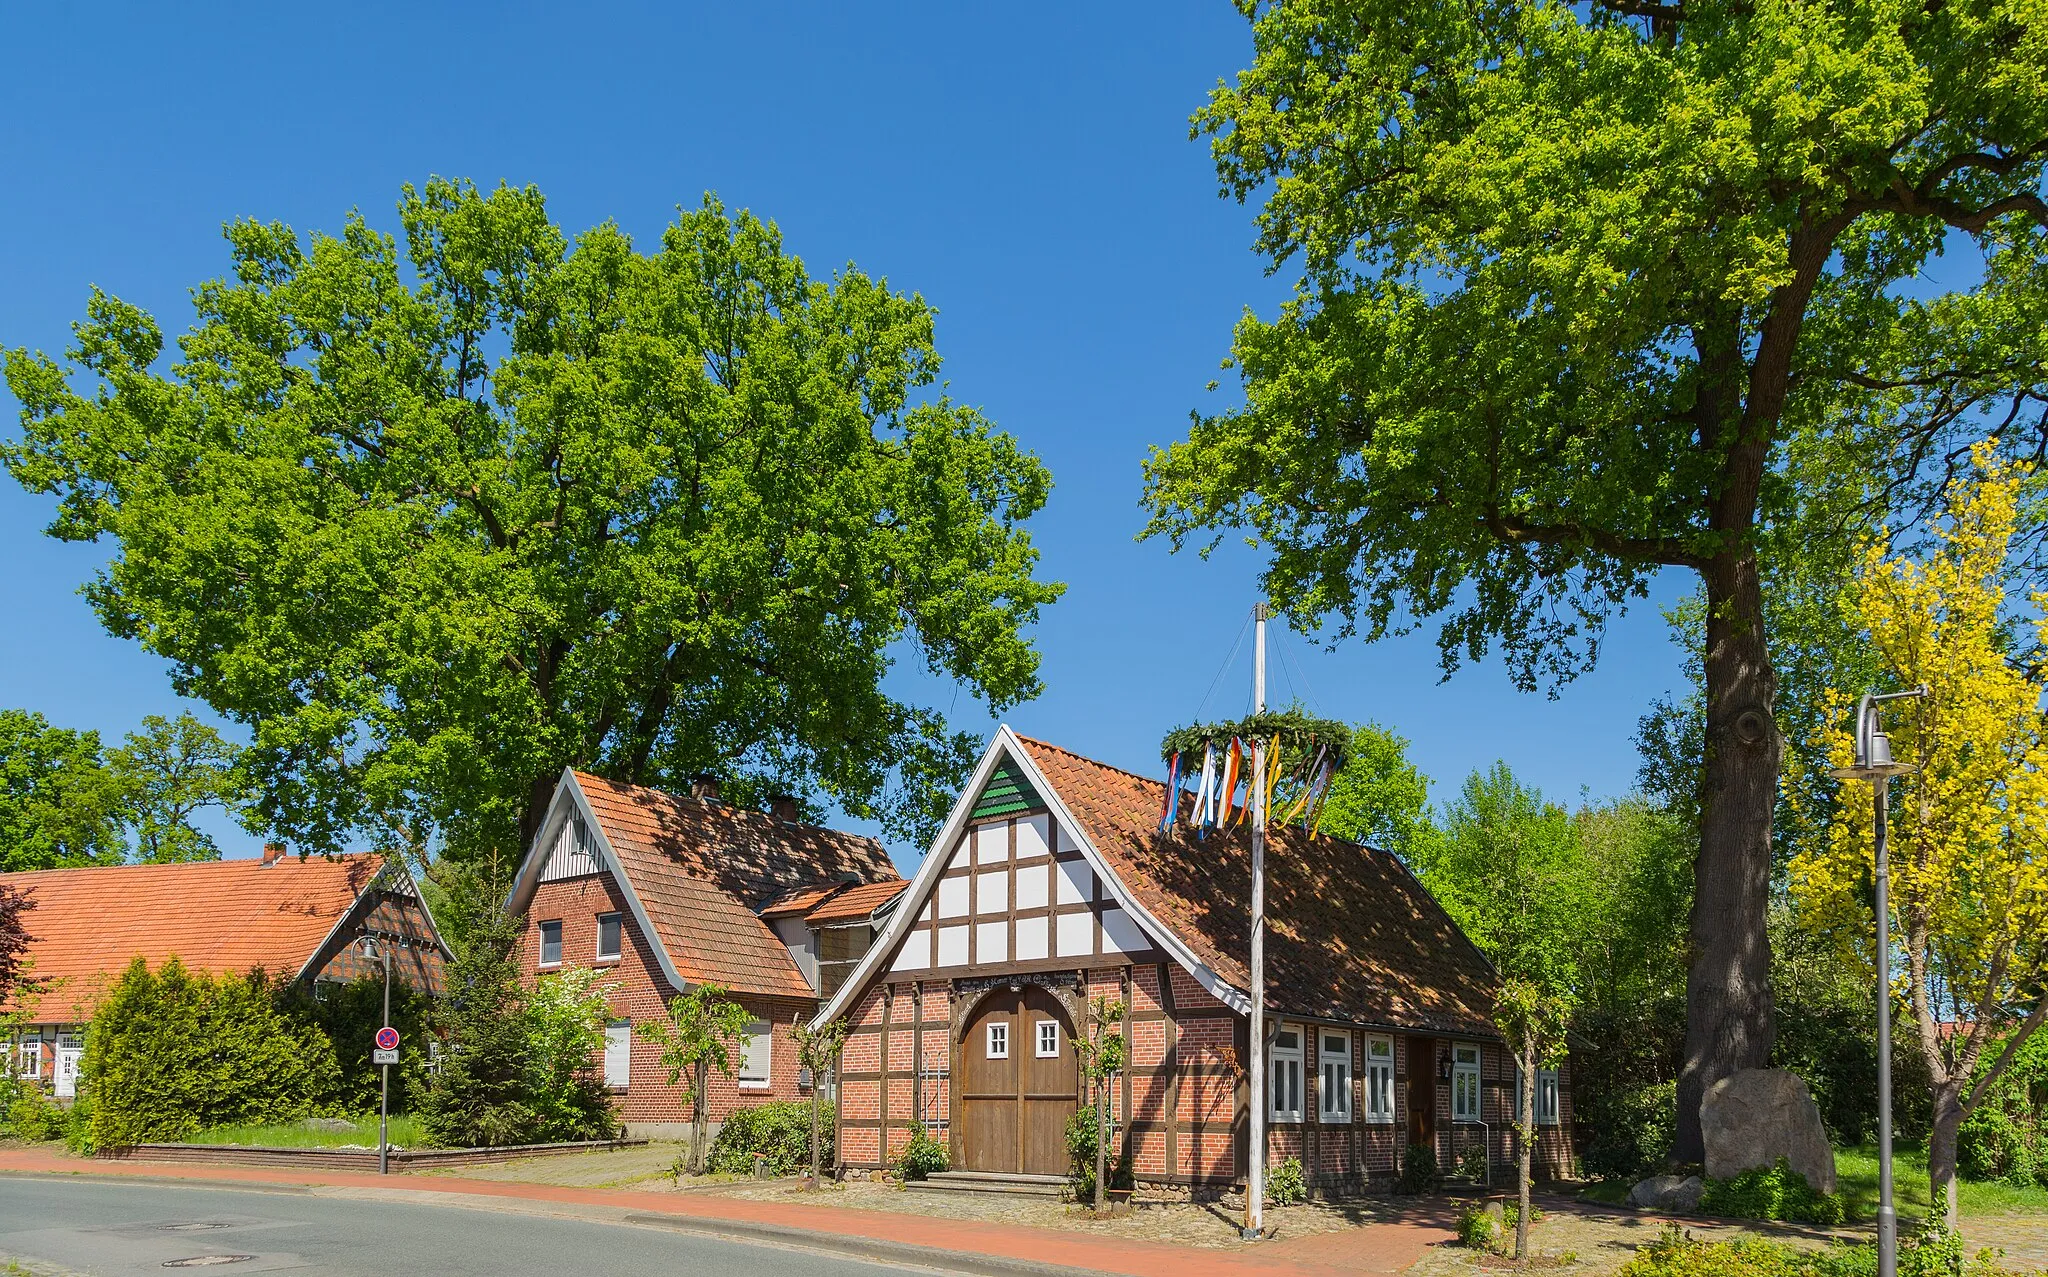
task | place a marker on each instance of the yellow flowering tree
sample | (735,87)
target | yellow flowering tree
(1969,831)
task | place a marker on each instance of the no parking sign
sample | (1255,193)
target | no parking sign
(387,1046)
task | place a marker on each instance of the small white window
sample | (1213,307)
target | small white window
(998,1041)
(1285,1066)
(618,1055)
(31,1056)
(1048,1039)
(757,1057)
(1546,1096)
(1333,1077)
(608,931)
(551,944)
(1465,1084)
(1379,1079)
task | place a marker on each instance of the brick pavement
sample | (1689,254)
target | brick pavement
(1376,1248)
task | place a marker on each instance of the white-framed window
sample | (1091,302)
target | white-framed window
(1465,1084)
(29,1058)
(1284,1064)
(1379,1079)
(1333,1076)
(618,1054)
(1048,1039)
(757,1056)
(998,1041)
(609,932)
(551,943)
(1546,1096)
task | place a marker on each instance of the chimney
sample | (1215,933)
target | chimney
(783,807)
(705,787)
(273,852)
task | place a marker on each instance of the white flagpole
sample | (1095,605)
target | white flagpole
(1255,1166)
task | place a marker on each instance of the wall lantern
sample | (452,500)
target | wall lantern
(1443,1065)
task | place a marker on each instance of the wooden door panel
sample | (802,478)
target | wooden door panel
(1014,1110)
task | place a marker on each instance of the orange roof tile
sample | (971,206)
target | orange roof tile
(855,902)
(701,868)
(1351,935)
(800,901)
(221,916)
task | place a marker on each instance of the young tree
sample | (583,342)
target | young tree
(697,1039)
(480,1097)
(1378,797)
(1571,280)
(436,515)
(1508,867)
(1104,1052)
(1969,844)
(165,773)
(59,805)
(566,1017)
(817,1049)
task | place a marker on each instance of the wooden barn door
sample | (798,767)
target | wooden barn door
(1019,1083)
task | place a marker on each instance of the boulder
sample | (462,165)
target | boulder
(1754,1117)
(328,1124)
(1677,1194)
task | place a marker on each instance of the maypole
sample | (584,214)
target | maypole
(1255,1166)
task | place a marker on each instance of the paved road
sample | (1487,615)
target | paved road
(52,1226)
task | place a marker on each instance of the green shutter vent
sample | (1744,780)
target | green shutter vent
(1006,793)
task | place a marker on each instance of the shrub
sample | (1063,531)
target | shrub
(1629,1130)
(780,1131)
(349,1014)
(1081,1158)
(1479,1227)
(34,1116)
(924,1156)
(1770,1192)
(1285,1184)
(1935,1252)
(78,1135)
(2006,1136)
(1419,1172)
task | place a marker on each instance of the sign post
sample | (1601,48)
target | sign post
(383,1057)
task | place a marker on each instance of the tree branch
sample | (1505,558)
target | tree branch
(1516,530)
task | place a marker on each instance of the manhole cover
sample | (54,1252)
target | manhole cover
(206,1261)
(194,1226)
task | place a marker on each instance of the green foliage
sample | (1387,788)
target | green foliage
(1770,1192)
(165,773)
(565,1019)
(1302,737)
(779,1130)
(1377,797)
(1285,1184)
(435,514)
(924,1156)
(58,803)
(817,1049)
(1934,1252)
(2006,1136)
(699,1038)
(1629,1130)
(34,1115)
(349,1015)
(171,1051)
(1419,1171)
(1082,1148)
(1478,1227)
(402,1129)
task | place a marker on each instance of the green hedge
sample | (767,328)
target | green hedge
(781,1131)
(1934,1252)
(1771,1192)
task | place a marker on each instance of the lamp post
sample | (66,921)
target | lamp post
(373,951)
(1874,763)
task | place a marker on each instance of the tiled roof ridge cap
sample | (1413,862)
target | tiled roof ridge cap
(197,866)
(732,810)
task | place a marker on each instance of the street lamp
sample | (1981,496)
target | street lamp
(1874,763)
(373,951)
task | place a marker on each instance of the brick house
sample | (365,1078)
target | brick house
(1050,886)
(290,916)
(661,892)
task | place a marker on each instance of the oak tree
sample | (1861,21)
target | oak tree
(1571,281)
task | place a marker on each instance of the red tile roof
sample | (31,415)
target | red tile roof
(702,868)
(800,901)
(855,903)
(221,916)
(1350,934)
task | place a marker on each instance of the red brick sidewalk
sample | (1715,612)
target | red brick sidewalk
(1375,1248)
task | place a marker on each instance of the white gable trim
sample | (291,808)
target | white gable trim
(910,903)
(570,800)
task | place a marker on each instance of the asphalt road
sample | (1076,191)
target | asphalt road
(49,1226)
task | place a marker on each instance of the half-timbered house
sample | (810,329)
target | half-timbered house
(1050,886)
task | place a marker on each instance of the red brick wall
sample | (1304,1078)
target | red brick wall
(642,994)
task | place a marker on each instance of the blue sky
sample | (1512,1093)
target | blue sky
(1029,172)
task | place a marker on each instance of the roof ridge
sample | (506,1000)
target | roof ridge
(249,862)
(1092,762)
(732,810)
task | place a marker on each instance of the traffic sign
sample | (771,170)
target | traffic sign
(382,1056)
(387,1039)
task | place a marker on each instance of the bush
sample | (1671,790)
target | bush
(1935,1252)
(780,1131)
(924,1156)
(1479,1227)
(78,1135)
(2006,1137)
(1419,1171)
(1081,1158)
(1285,1184)
(1628,1131)
(34,1116)
(350,1014)
(1770,1192)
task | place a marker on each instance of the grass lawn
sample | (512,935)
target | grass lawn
(405,1132)
(1856,1184)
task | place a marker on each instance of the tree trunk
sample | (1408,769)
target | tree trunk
(1525,1139)
(1941,1148)
(1101,1142)
(700,1114)
(814,1127)
(539,793)
(1728,1021)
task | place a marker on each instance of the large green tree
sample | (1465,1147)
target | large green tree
(1572,281)
(166,774)
(436,514)
(59,805)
